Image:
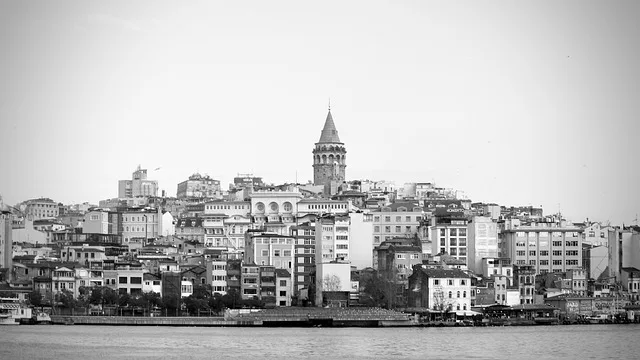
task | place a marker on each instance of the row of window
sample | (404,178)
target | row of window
(453,242)
(226,207)
(546,253)
(464,294)
(546,262)
(397,219)
(398,229)
(454,232)
(273,241)
(150,218)
(450,282)
(546,234)
(568,243)
(276,252)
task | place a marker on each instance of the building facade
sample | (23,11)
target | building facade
(139,185)
(400,219)
(548,247)
(199,187)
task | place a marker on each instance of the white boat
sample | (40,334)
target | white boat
(7,319)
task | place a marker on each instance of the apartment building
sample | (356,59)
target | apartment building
(547,247)
(395,220)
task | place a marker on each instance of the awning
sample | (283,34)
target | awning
(467,313)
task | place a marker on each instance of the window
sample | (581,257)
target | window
(283,293)
(450,282)
(398,229)
(458,294)
(453,242)
(450,295)
(265,252)
(288,252)
(122,280)
(464,294)
(283,282)
(376,228)
(398,218)
(387,219)
(557,262)
(544,252)
(436,282)
(276,252)
(387,229)
(463,282)
(544,262)
(408,219)
(136,280)
(532,253)
(453,232)
(557,252)
(400,256)
(408,229)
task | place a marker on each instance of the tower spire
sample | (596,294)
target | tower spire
(329,103)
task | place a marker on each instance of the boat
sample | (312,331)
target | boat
(7,319)
(42,318)
(598,319)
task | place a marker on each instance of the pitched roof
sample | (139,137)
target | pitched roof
(329,132)
(282,273)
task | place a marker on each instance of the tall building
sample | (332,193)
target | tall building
(138,185)
(329,158)
(304,261)
(6,242)
(449,234)
(199,187)
(482,241)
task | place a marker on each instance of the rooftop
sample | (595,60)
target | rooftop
(329,132)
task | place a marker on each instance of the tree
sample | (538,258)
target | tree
(215,303)
(35,298)
(331,283)
(440,302)
(202,291)
(102,295)
(124,299)
(65,297)
(232,299)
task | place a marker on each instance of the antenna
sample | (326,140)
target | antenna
(329,103)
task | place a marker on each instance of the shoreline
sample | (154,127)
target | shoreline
(281,322)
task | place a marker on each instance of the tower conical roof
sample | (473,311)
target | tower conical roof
(329,132)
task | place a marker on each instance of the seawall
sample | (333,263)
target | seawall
(149,321)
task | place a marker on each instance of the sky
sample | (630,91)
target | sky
(517,103)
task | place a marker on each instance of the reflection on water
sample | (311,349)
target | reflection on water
(125,342)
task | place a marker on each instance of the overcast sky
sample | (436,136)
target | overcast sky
(518,103)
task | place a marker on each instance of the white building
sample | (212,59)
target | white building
(138,185)
(275,211)
(361,239)
(482,239)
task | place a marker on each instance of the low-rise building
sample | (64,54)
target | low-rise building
(439,289)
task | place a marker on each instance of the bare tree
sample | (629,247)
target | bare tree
(331,283)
